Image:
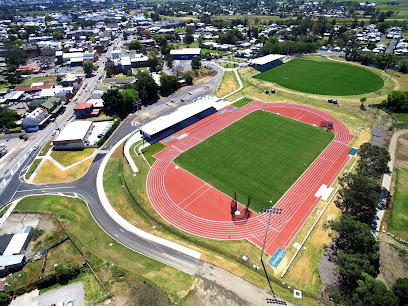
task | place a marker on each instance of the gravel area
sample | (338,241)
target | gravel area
(73,292)
(378,135)
(328,267)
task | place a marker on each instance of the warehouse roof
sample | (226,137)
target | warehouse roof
(76,130)
(16,244)
(186,51)
(181,114)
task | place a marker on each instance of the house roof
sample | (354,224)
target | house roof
(33,88)
(83,106)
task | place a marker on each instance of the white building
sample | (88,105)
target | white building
(35,119)
(73,136)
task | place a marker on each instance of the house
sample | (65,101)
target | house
(53,106)
(35,120)
(83,110)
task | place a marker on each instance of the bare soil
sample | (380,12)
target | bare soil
(393,260)
(402,152)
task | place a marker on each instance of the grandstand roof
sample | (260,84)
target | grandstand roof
(266,59)
(181,114)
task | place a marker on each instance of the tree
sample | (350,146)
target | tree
(159,39)
(129,97)
(188,39)
(354,237)
(168,84)
(188,78)
(59,78)
(373,292)
(109,72)
(13,78)
(57,36)
(196,63)
(112,102)
(4,298)
(8,117)
(15,57)
(397,102)
(373,161)
(358,196)
(48,18)
(135,45)
(400,289)
(89,67)
(146,86)
(153,61)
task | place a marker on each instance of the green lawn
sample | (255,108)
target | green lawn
(243,102)
(261,155)
(151,150)
(325,78)
(398,222)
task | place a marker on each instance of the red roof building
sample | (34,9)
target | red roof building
(83,110)
(30,88)
(30,68)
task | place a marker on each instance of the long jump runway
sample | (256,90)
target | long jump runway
(194,206)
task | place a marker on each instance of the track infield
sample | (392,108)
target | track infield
(260,155)
(195,206)
(324,78)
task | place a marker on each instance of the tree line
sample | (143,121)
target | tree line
(357,251)
(121,101)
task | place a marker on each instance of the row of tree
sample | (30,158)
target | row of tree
(273,46)
(357,251)
(397,102)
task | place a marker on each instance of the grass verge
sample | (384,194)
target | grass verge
(67,158)
(398,220)
(228,84)
(242,102)
(51,174)
(151,150)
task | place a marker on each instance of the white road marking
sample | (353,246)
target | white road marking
(122,230)
(116,235)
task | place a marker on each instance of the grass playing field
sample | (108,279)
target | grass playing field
(261,155)
(325,78)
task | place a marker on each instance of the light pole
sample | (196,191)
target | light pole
(137,104)
(271,211)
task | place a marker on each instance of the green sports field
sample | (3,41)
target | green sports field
(325,78)
(261,155)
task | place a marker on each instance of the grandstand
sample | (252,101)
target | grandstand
(181,118)
(267,62)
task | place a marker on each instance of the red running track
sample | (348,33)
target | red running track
(192,205)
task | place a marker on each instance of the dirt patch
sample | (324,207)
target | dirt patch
(204,293)
(393,260)
(118,152)
(402,152)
